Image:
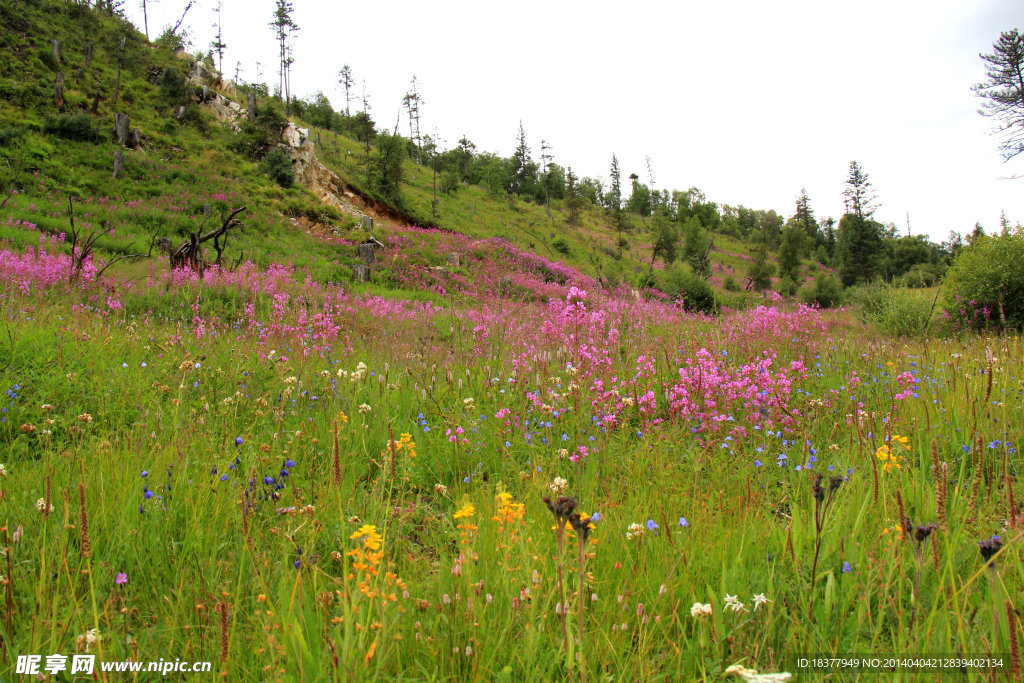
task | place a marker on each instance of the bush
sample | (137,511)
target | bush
(904,312)
(260,136)
(729,284)
(172,86)
(279,167)
(826,292)
(560,245)
(696,295)
(788,287)
(986,283)
(71,127)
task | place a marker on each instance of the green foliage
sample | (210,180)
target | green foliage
(759,271)
(903,312)
(696,295)
(173,87)
(793,237)
(729,284)
(278,165)
(788,287)
(258,137)
(825,292)
(859,249)
(985,284)
(561,245)
(388,171)
(71,126)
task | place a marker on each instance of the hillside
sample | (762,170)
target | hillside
(193,165)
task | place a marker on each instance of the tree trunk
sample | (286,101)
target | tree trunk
(58,91)
(88,54)
(121,128)
(368,252)
(56,51)
(135,139)
(118,163)
(251,101)
(361,273)
(366,223)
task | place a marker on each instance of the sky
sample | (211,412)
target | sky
(749,101)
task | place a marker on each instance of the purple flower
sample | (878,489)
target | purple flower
(238,441)
(651,525)
(121,578)
(683,522)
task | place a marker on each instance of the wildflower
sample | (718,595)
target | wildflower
(363,408)
(847,568)
(28,428)
(441,489)
(752,675)
(239,441)
(88,640)
(121,578)
(558,485)
(759,600)
(342,417)
(989,547)
(634,531)
(652,525)
(47,407)
(41,505)
(683,522)
(85,417)
(3,470)
(699,610)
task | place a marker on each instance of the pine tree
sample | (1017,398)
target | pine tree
(859,196)
(1003,91)
(345,81)
(573,200)
(615,202)
(522,164)
(805,215)
(284,28)
(218,44)
(412,101)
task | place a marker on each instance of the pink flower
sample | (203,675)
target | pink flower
(121,578)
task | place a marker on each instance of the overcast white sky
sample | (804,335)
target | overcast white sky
(749,101)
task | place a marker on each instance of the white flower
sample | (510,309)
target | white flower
(88,639)
(752,675)
(363,408)
(634,531)
(41,505)
(291,380)
(558,485)
(699,610)
(342,373)
(3,470)
(441,489)
(759,600)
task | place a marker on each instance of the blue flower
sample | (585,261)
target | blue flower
(268,480)
(651,525)
(847,567)
(289,463)
(239,441)
(596,517)
(223,477)
(145,473)
(683,522)
(465,480)
(147,494)
(757,463)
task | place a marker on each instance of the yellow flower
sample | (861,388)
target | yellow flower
(369,535)
(466,510)
(342,417)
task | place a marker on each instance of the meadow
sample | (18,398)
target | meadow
(298,480)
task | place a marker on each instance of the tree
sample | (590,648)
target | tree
(412,101)
(759,274)
(697,247)
(1003,91)
(793,236)
(545,162)
(805,214)
(388,172)
(284,28)
(522,164)
(614,199)
(345,81)
(859,249)
(639,198)
(573,200)
(218,44)
(666,238)
(145,16)
(858,195)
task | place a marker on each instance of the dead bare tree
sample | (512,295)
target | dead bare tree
(82,247)
(190,253)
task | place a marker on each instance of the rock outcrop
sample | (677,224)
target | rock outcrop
(313,175)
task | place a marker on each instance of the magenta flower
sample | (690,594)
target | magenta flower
(121,578)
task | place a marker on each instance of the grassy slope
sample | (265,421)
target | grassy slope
(195,163)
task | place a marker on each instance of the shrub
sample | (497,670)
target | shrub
(904,312)
(172,86)
(279,167)
(71,127)
(730,285)
(560,245)
(788,287)
(826,292)
(696,295)
(260,136)
(986,283)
